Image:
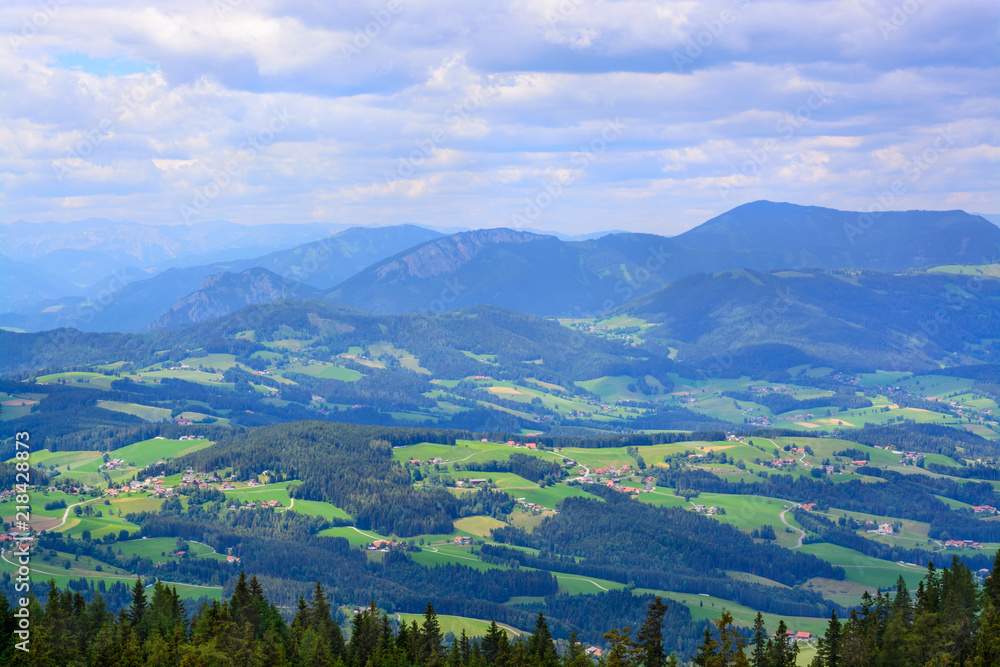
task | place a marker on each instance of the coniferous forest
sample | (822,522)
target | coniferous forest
(948,620)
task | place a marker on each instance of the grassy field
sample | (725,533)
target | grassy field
(320,509)
(267,492)
(189,375)
(99,526)
(43,571)
(573,584)
(550,496)
(478,525)
(158,548)
(219,361)
(85,467)
(432,558)
(473,627)
(145,412)
(79,377)
(663,497)
(356,537)
(865,570)
(706,607)
(326,371)
(614,388)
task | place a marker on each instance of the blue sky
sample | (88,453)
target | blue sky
(571,115)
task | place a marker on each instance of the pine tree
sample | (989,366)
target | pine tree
(650,636)
(902,605)
(986,650)
(431,638)
(831,651)
(622,650)
(575,653)
(731,642)
(540,648)
(991,588)
(364,636)
(708,651)
(137,611)
(758,658)
(782,653)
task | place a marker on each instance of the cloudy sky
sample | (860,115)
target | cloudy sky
(570,115)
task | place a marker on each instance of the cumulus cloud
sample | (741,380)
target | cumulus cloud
(447,114)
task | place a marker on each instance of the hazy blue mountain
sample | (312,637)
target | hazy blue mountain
(131,300)
(224,293)
(330,261)
(767,235)
(23,284)
(544,275)
(512,269)
(135,244)
(844,320)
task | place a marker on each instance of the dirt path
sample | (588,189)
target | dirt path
(374,537)
(589,581)
(101,575)
(434,550)
(801,532)
(65,515)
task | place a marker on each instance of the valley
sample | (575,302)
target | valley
(757,440)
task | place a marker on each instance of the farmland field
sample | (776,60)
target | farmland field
(472,627)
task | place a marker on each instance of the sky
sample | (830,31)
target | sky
(566,115)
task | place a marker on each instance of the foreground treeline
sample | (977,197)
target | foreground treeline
(247,630)
(948,621)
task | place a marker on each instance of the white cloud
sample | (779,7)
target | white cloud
(480,107)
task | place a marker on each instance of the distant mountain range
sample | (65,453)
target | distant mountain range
(142,300)
(224,293)
(78,254)
(749,320)
(394,270)
(545,276)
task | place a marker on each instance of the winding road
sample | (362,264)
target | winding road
(801,532)
(65,515)
(3,555)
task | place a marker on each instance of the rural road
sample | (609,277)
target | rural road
(3,555)
(374,537)
(65,515)
(434,549)
(802,533)
(589,581)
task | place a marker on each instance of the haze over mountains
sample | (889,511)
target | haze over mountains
(393,270)
(545,276)
(136,301)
